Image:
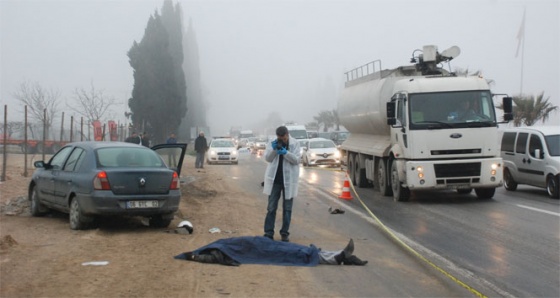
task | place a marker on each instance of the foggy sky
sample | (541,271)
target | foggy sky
(257,57)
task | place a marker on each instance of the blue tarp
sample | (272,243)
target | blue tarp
(262,250)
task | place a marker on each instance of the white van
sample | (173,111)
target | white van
(532,156)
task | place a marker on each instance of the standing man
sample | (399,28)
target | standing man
(134,138)
(146,140)
(281,178)
(200,146)
(172,158)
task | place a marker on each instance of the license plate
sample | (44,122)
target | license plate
(141,204)
(223,158)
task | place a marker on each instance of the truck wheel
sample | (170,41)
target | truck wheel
(360,173)
(400,193)
(552,186)
(509,183)
(351,166)
(484,193)
(382,178)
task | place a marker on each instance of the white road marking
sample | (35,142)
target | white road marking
(539,210)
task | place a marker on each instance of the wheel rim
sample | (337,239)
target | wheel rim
(381,174)
(551,187)
(74,213)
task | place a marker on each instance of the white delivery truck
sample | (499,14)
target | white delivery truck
(421,127)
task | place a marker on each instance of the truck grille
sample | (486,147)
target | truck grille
(457,151)
(457,170)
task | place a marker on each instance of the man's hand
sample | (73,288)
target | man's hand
(275,144)
(282,151)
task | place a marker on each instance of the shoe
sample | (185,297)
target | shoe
(349,249)
(285,238)
(353,260)
(269,236)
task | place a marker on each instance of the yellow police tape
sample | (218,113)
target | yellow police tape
(410,249)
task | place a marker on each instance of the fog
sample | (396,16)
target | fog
(289,57)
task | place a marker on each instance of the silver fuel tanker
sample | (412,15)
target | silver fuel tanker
(421,127)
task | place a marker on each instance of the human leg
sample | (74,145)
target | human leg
(270,219)
(198,163)
(286,218)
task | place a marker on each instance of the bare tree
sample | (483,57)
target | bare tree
(37,99)
(12,127)
(91,104)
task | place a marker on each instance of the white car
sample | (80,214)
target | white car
(532,156)
(320,151)
(222,151)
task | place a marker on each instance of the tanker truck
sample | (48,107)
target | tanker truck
(421,127)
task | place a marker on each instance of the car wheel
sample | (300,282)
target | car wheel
(158,221)
(509,183)
(400,193)
(37,208)
(382,176)
(552,186)
(78,221)
(485,193)
(464,191)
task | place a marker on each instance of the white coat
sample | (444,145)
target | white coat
(290,167)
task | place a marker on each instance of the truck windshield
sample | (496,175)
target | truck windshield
(298,134)
(451,109)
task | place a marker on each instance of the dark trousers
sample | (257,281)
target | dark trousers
(277,190)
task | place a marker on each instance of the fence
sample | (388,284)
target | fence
(38,137)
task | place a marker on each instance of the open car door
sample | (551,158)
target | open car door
(172,155)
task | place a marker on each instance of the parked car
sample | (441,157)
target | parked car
(532,156)
(321,151)
(222,151)
(88,180)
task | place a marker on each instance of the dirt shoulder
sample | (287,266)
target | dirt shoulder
(41,256)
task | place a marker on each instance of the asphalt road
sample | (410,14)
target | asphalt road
(508,246)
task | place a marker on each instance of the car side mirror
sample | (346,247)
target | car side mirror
(539,154)
(39,164)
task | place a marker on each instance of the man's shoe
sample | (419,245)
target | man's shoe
(353,260)
(269,236)
(285,238)
(349,249)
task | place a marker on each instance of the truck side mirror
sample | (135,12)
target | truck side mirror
(391,113)
(507,104)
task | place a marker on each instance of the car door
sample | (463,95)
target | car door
(521,158)
(48,178)
(172,155)
(67,177)
(535,161)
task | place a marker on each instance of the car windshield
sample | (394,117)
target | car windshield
(222,144)
(553,144)
(128,157)
(321,144)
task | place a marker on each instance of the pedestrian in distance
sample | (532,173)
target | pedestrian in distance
(200,146)
(146,140)
(172,158)
(281,179)
(134,138)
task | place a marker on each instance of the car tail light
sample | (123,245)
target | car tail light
(101,182)
(175,181)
